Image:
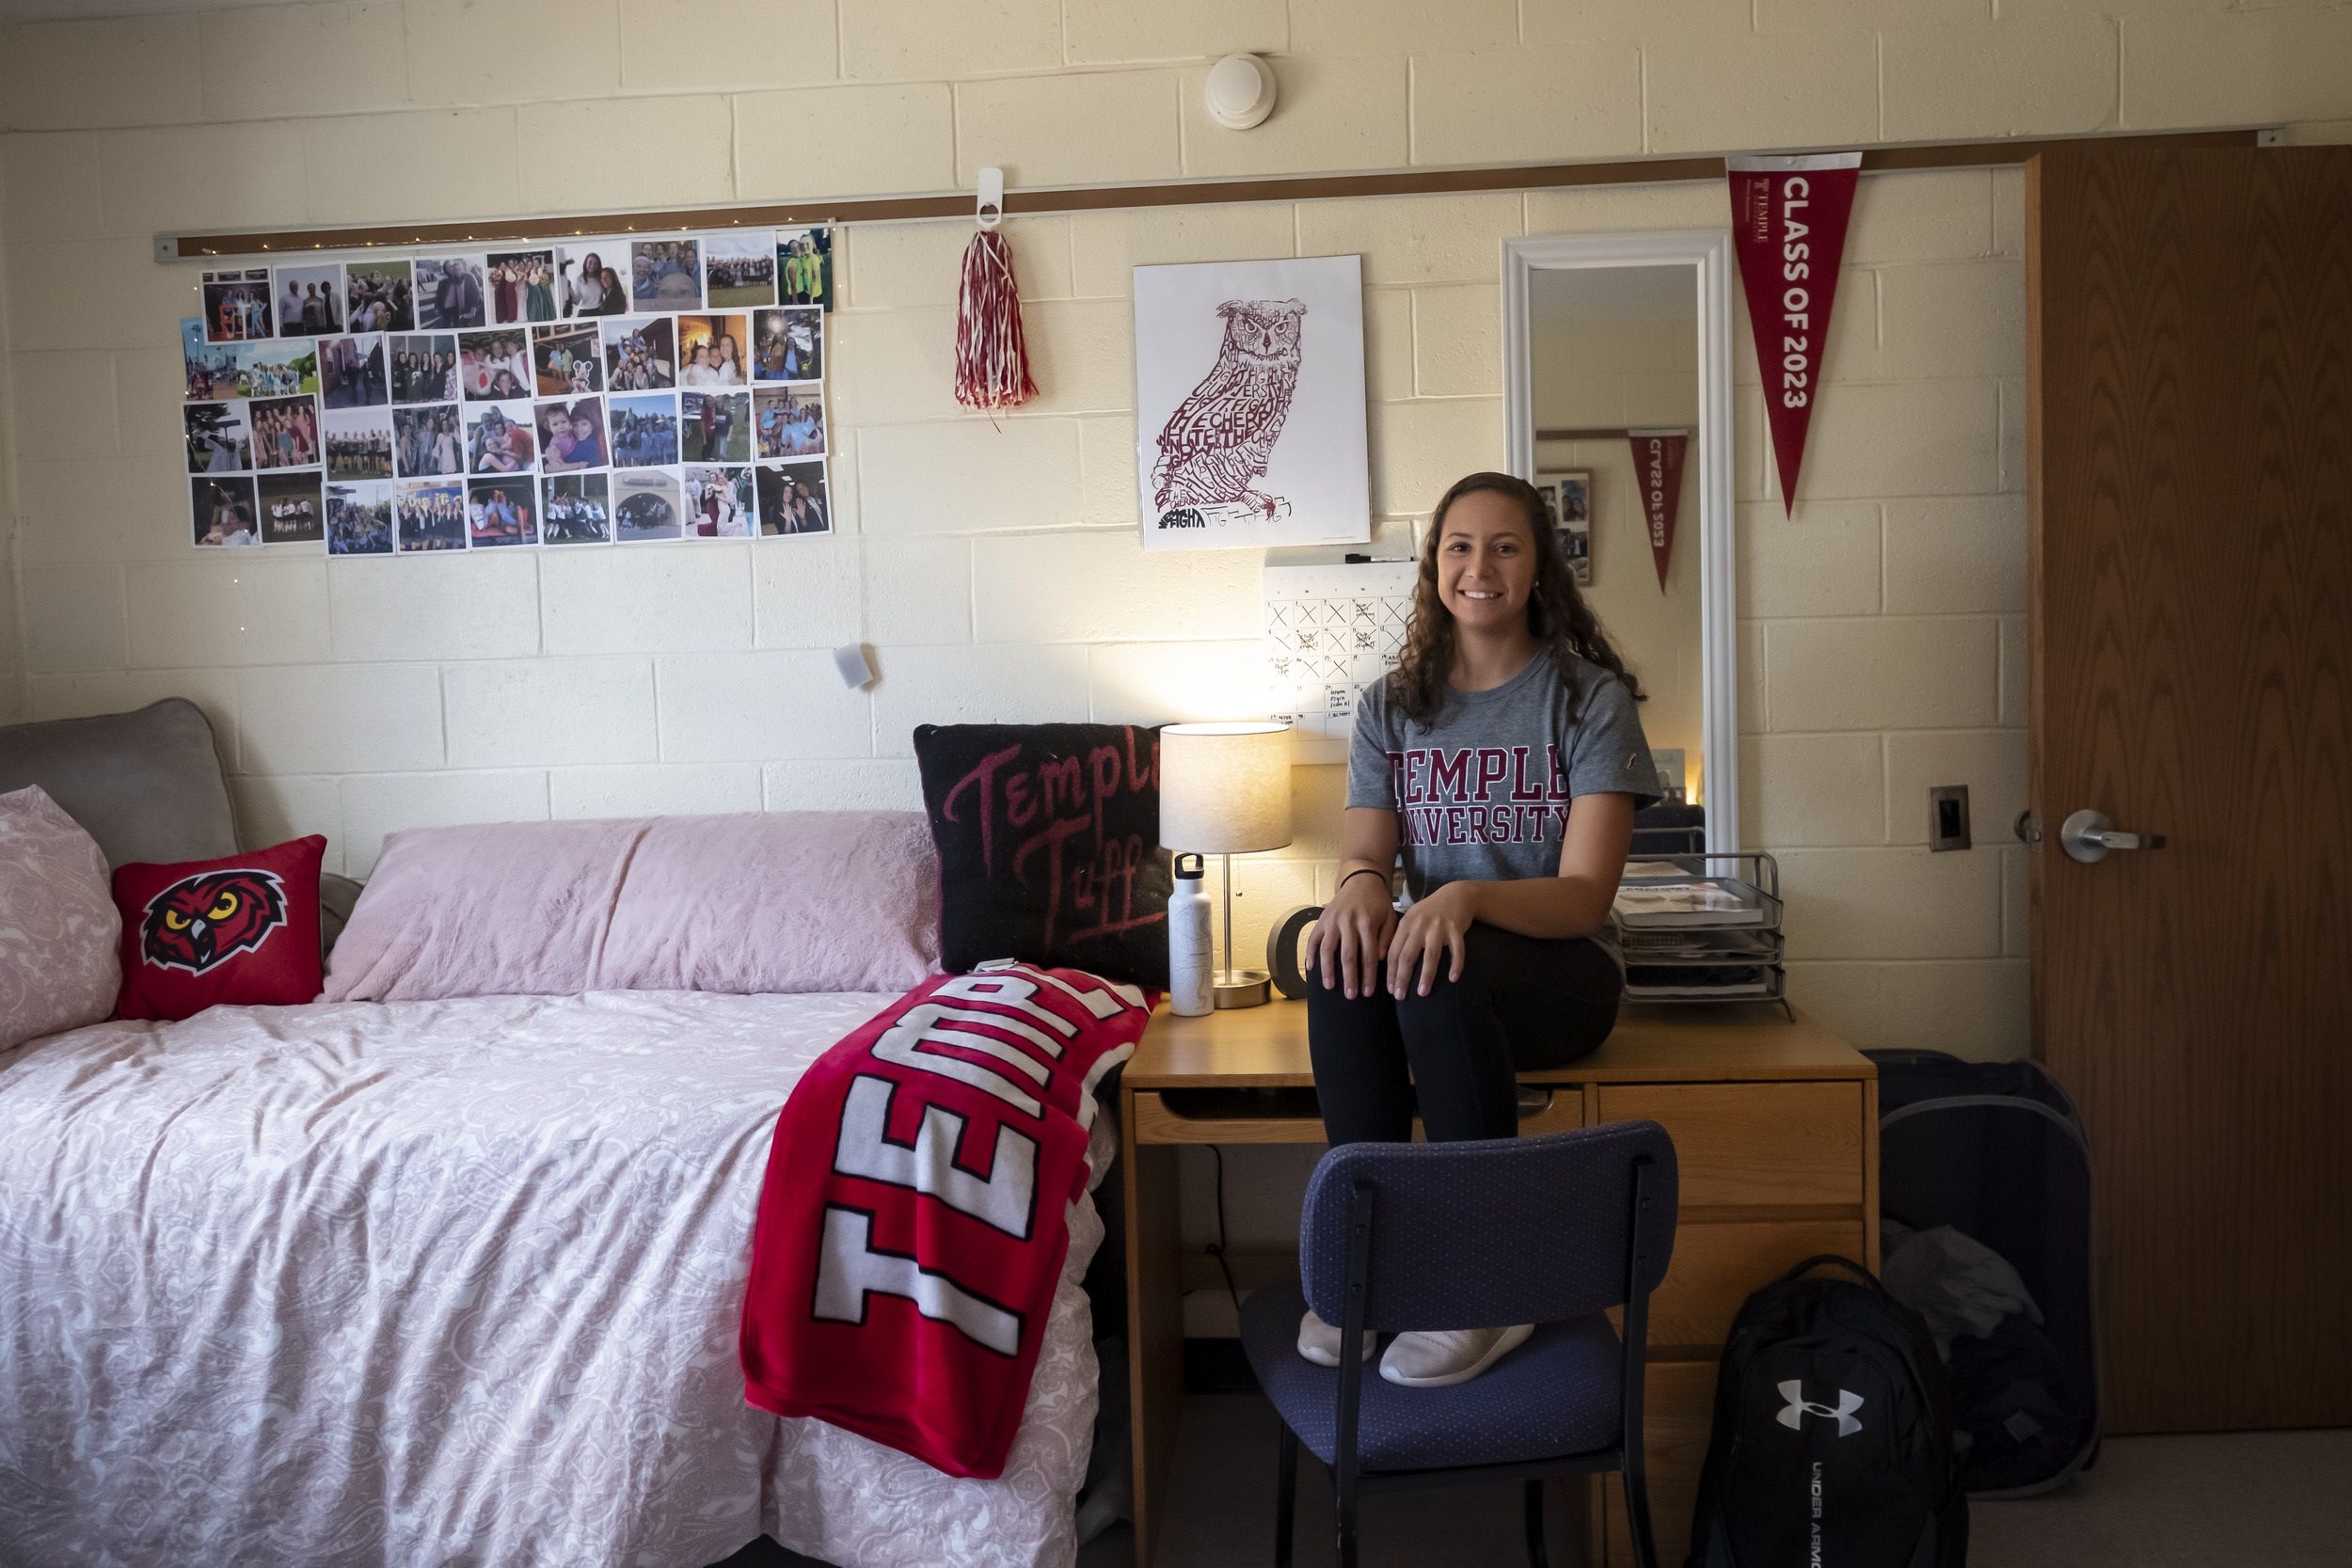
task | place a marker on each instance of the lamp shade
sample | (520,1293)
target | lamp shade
(1225,789)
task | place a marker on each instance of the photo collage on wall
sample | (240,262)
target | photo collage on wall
(584,392)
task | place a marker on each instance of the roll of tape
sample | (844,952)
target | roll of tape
(1281,950)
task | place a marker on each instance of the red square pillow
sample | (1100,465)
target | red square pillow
(241,932)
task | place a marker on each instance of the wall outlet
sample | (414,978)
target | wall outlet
(1948,816)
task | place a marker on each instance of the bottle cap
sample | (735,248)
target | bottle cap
(1194,871)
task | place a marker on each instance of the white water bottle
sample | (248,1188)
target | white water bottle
(1190,992)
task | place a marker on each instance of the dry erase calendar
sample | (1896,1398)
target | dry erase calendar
(1331,631)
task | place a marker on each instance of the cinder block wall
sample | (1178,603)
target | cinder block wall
(994,567)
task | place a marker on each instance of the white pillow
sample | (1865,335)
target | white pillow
(59,965)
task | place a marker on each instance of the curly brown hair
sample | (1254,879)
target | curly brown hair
(1557,615)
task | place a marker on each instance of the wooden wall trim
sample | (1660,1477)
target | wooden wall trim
(1185,193)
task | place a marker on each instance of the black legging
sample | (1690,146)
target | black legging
(1522,1002)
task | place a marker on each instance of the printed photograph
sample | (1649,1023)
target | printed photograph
(351,371)
(567,360)
(791,423)
(1568,501)
(645,430)
(360,518)
(359,443)
(423,368)
(710,351)
(591,278)
(666,275)
(285,433)
(236,306)
(741,268)
(645,505)
(220,438)
(804,267)
(432,515)
(522,286)
(282,368)
(788,344)
(503,510)
(215,369)
(426,442)
(576,509)
(223,511)
(499,438)
(792,498)
(571,436)
(448,293)
(379,296)
(714,427)
(1571,493)
(719,503)
(640,352)
(292,512)
(494,366)
(309,299)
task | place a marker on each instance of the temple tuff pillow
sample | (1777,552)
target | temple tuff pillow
(1049,846)
(238,931)
(59,968)
(767,902)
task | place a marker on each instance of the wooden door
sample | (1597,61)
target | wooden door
(2191,430)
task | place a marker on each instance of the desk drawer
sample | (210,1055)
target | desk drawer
(1286,1116)
(1754,1145)
(1716,1267)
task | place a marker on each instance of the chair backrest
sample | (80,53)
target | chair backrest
(1492,1231)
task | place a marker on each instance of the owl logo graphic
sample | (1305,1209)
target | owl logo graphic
(205,920)
(1215,447)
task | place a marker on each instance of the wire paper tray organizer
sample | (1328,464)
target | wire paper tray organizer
(1701,927)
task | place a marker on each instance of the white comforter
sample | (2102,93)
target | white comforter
(443,1283)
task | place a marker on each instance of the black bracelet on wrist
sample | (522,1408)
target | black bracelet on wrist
(1359,871)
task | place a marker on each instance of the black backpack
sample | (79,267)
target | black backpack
(1833,1438)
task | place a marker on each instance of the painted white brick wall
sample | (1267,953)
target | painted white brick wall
(990,562)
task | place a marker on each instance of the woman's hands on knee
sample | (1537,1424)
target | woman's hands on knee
(1351,937)
(1434,931)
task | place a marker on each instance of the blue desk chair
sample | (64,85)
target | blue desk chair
(1552,1230)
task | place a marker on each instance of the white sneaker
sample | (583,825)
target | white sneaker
(1438,1358)
(1319,1342)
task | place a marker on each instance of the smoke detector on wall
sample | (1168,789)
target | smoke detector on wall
(1240,91)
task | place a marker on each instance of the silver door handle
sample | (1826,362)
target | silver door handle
(2087,835)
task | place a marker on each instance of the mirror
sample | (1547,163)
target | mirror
(1617,362)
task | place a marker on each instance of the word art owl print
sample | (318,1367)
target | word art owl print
(1249,383)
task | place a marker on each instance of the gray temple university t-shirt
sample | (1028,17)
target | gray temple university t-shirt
(1482,792)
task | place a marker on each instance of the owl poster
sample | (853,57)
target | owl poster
(1250,404)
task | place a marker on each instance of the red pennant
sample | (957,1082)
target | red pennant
(1789,226)
(1657,470)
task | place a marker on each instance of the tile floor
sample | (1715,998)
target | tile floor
(2250,1500)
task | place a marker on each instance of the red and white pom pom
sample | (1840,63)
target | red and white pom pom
(992,358)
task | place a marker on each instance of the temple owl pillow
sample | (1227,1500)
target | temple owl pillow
(242,931)
(1250,404)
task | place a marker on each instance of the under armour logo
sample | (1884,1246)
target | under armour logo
(1799,1407)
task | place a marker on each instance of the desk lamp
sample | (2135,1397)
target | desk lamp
(1225,790)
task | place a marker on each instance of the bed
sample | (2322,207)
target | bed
(446,1282)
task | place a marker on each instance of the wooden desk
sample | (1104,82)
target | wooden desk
(1775,1130)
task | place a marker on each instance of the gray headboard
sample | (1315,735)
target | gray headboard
(146,785)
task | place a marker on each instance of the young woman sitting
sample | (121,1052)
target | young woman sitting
(1504,755)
